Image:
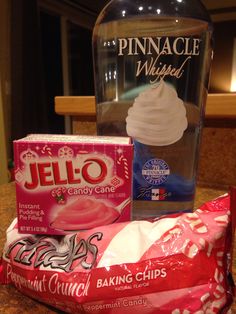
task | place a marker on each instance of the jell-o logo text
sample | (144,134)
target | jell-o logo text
(49,173)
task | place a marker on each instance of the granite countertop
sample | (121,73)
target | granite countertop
(11,301)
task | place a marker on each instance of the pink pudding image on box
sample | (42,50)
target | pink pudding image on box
(67,183)
(91,213)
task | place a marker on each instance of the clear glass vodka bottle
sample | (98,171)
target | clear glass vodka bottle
(151,64)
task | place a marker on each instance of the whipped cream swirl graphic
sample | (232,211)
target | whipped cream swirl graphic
(157,117)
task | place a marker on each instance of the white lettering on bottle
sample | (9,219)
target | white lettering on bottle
(122,45)
(159,45)
(160,71)
(157,48)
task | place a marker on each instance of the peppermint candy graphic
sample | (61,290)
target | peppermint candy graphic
(222,220)
(46,151)
(28,155)
(65,152)
(196,223)
(123,161)
(190,249)
(170,234)
(59,195)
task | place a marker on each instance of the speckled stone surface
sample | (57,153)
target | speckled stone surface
(11,301)
(7,209)
(217,165)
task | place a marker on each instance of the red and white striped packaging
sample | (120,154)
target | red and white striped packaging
(177,264)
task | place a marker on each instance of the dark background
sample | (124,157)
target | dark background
(36,58)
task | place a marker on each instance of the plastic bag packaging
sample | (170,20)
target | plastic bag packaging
(177,264)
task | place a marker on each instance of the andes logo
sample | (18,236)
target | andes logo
(54,173)
(56,254)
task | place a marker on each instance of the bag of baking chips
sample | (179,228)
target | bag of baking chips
(177,264)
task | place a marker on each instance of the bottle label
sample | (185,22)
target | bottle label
(159,116)
(155,49)
(155,171)
(156,180)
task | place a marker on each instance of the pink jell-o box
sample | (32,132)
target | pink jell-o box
(66,183)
